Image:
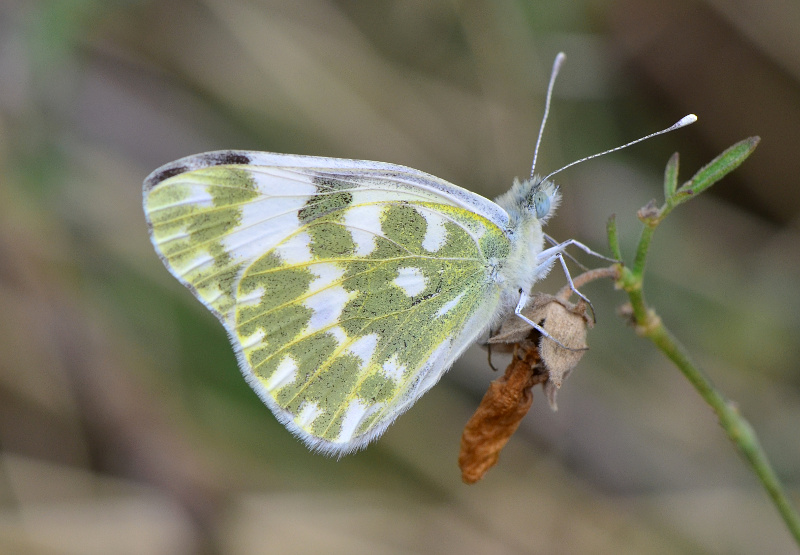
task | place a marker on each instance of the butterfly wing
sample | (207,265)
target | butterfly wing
(347,287)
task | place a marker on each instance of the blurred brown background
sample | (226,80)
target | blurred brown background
(125,426)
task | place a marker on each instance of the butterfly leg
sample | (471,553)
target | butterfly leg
(523,300)
(553,242)
(550,255)
(580,245)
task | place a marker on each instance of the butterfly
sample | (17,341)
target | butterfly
(347,287)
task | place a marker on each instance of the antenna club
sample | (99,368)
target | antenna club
(686,120)
(560,57)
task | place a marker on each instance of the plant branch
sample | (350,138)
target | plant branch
(648,324)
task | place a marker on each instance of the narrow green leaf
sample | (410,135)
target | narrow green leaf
(613,237)
(718,168)
(671,177)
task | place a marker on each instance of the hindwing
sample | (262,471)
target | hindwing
(347,287)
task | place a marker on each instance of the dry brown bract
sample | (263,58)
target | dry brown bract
(535,360)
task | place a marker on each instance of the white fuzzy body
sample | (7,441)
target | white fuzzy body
(522,267)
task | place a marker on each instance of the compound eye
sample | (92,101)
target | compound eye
(541,203)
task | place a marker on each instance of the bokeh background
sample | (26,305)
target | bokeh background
(125,426)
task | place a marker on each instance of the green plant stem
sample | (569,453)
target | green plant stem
(737,427)
(739,430)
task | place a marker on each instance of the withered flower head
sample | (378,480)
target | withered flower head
(536,359)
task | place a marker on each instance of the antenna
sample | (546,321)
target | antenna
(683,122)
(553,74)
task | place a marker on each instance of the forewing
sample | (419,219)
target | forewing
(347,289)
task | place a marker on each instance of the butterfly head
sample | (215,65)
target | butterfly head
(533,197)
(542,199)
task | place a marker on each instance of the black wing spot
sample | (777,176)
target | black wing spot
(169,172)
(320,205)
(328,184)
(228,158)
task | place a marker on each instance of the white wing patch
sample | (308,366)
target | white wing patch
(327,306)
(272,182)
(448,306)
(265,223)
(327,275)
(285,374)
(435,233)
(253,340)
(364,223)
(355,414)
(308,413)
(364,348)
(251,298)
(393,369)
(296,249)
(411,280)
(338,334)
